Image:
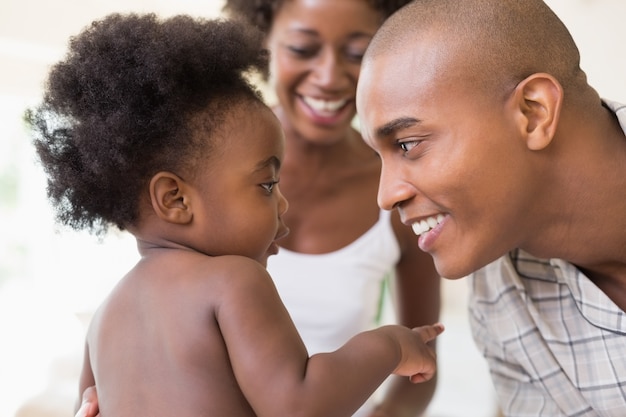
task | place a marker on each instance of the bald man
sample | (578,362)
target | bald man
(512,170)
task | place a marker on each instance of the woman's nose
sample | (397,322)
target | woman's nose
(329,71)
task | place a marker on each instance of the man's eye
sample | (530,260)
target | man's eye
(407,146)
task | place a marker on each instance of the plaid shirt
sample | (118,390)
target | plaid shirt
(555,343)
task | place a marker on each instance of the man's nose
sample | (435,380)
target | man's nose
(393,187)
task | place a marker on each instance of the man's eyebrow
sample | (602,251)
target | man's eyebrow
(397,124)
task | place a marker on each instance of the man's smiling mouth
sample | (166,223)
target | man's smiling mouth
(425,225)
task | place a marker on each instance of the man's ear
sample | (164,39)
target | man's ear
(538,99)
(170,198)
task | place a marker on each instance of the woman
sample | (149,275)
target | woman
(331,268)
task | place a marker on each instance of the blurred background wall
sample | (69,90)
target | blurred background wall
(51,279)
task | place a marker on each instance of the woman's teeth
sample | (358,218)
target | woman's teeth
(324,105)
(427,224)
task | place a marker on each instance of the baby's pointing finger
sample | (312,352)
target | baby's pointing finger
(429,333)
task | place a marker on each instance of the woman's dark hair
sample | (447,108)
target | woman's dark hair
(260,13)
(120,107)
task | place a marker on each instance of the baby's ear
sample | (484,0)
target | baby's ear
(539,98)
(170,198)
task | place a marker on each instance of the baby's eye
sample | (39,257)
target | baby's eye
(269,186)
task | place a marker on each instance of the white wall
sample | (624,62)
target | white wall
(599,28)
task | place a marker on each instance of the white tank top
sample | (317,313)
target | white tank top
(335,295)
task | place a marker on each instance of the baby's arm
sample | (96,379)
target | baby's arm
(275,372)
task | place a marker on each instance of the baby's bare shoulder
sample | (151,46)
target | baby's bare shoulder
(194,265)
(228,274)
(239,273)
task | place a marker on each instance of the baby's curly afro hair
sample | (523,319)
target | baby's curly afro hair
(261,13)
(119,108)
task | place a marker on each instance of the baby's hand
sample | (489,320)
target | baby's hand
(89,404)
(419,360)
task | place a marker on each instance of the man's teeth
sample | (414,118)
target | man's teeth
(324,105)
(427,224)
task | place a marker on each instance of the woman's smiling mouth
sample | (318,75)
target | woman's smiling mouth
(324,107)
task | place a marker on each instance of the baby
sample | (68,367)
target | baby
(150,125)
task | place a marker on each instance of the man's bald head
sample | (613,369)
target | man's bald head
(498,42)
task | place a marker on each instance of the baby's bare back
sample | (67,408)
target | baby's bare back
(156,348)
(172,336)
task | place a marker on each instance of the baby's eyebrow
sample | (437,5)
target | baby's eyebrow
(395,125)
(272,161)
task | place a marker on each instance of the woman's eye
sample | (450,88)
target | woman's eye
(355,56)
(301,52)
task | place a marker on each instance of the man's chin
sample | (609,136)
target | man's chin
(451,272)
